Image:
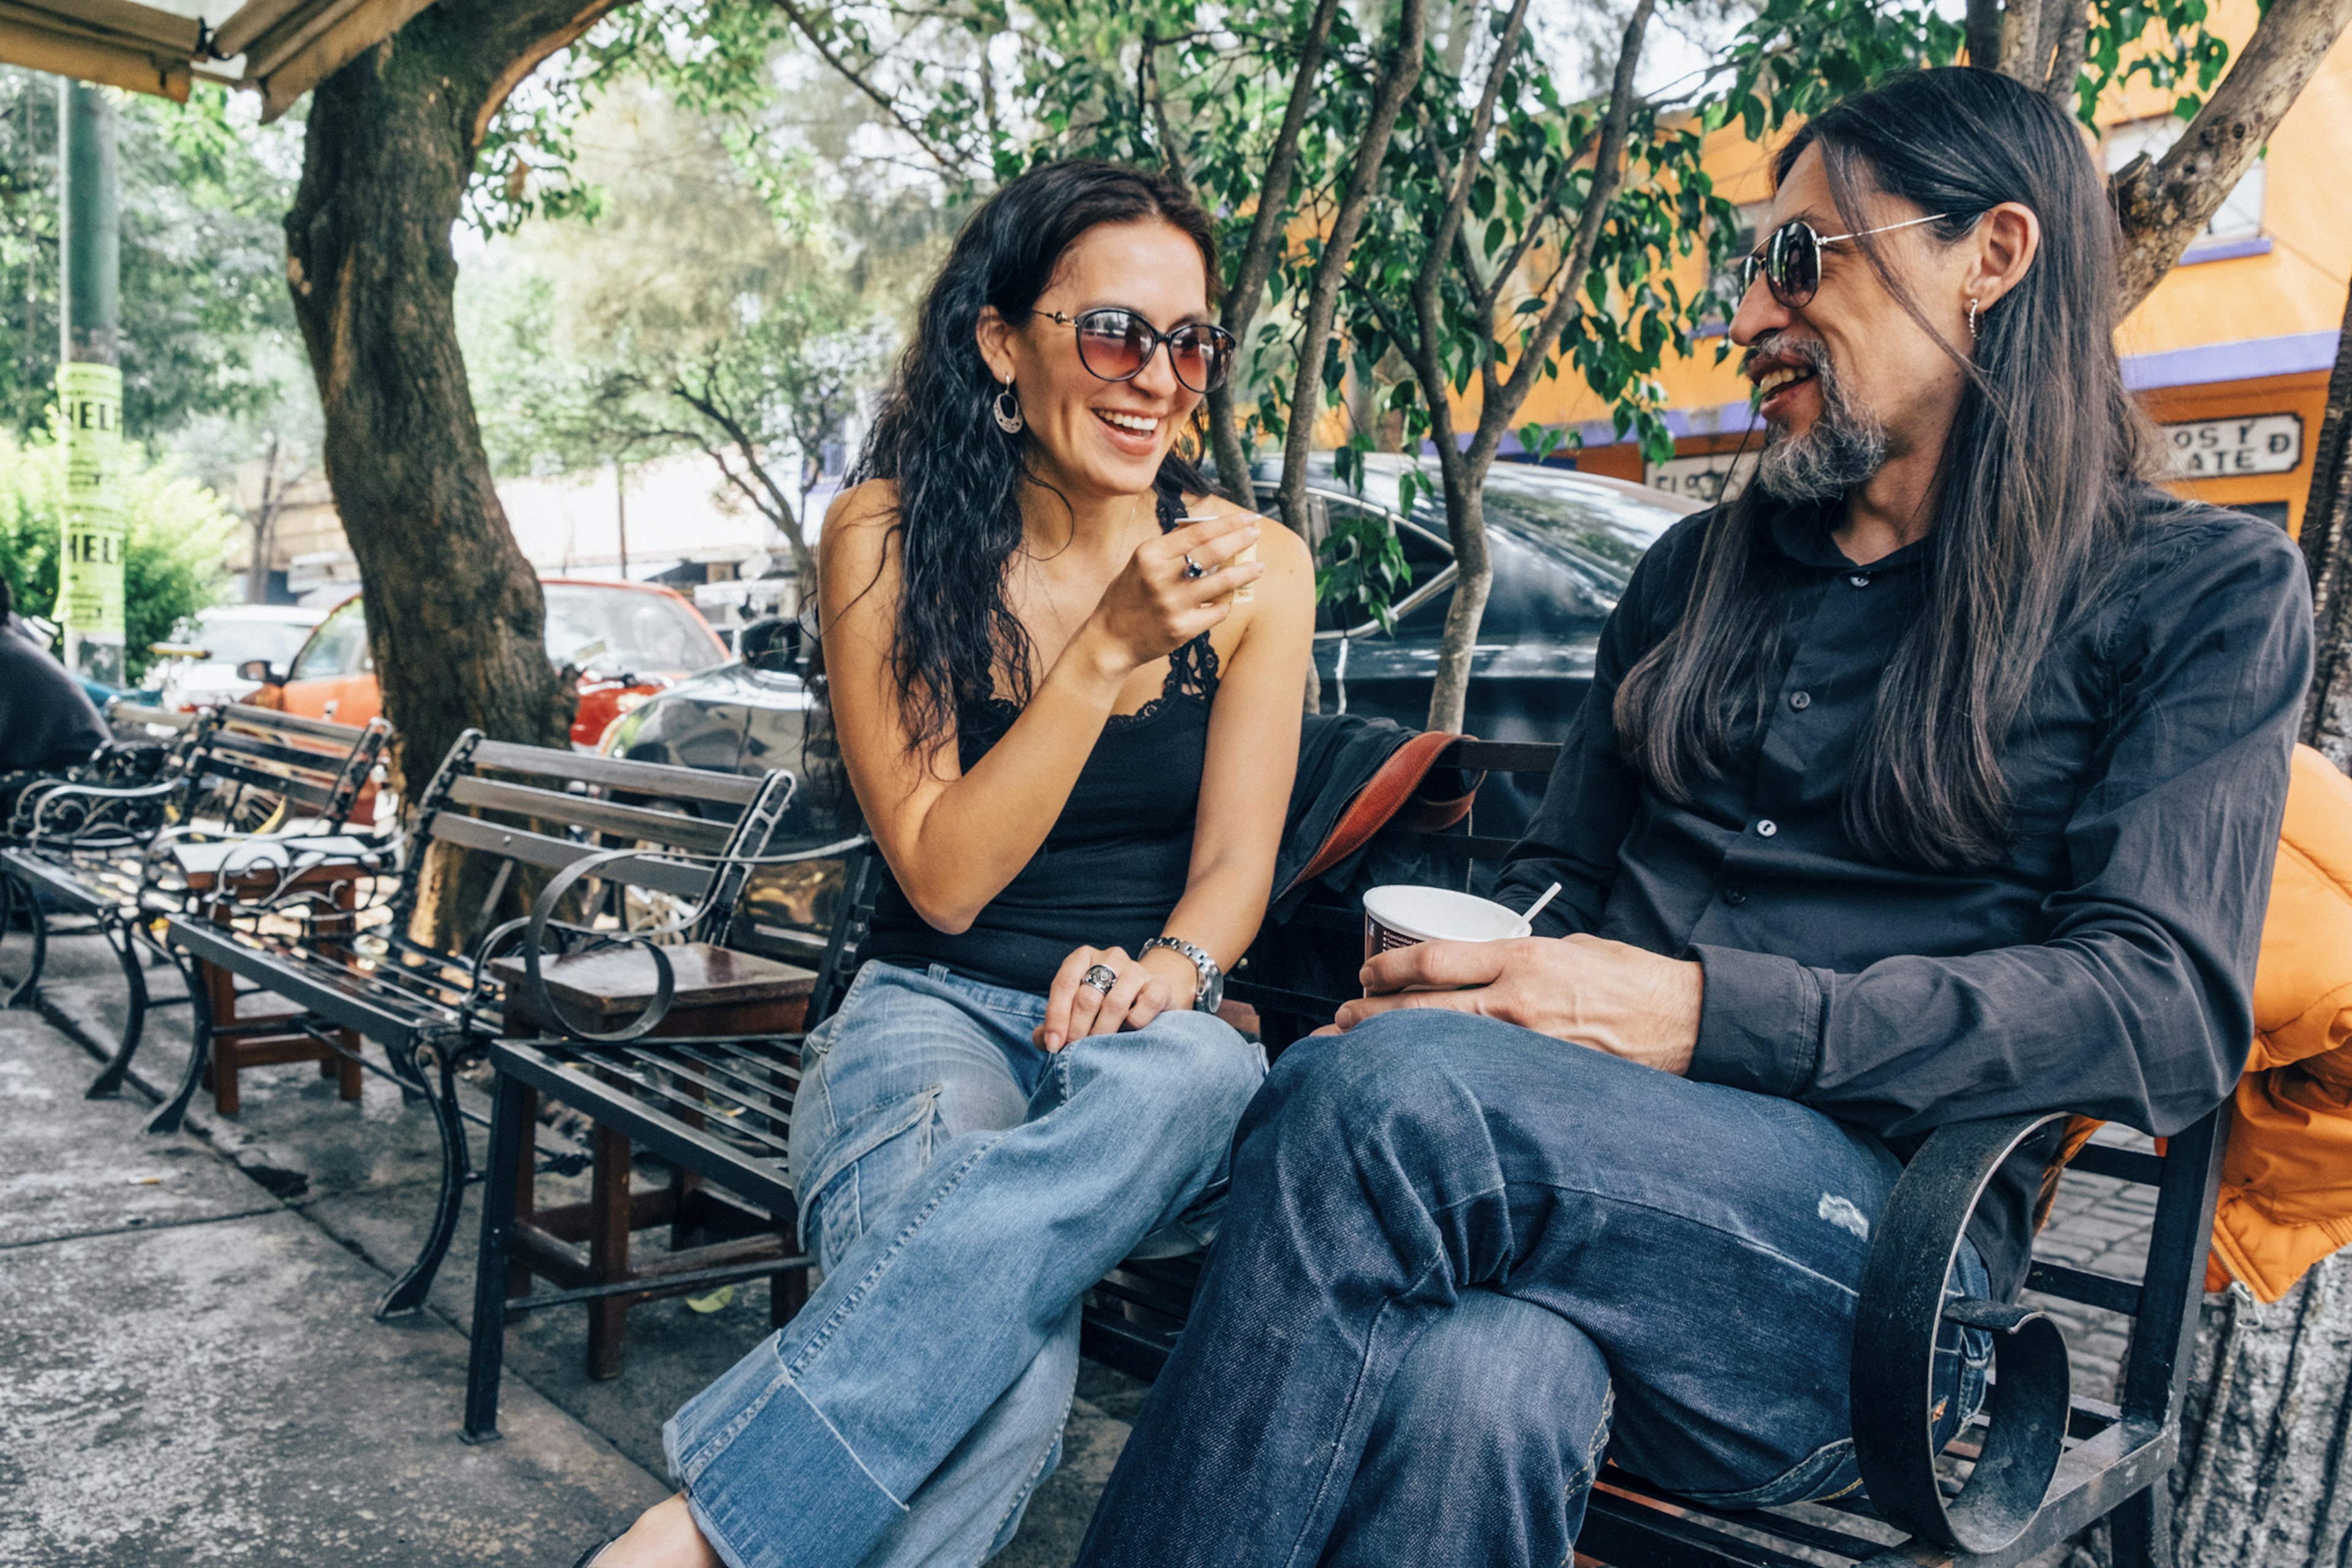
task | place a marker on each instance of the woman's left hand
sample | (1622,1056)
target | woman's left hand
(1144,989)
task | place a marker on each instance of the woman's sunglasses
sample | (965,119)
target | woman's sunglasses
(1117,344)
(1791,260)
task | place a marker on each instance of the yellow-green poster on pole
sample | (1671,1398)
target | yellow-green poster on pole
(89,427)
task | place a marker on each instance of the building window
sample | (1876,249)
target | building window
(2239,216)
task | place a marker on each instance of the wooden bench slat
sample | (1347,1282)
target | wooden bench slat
(638,778)
(270,719)
(327,765)
(554,854)
(667,828)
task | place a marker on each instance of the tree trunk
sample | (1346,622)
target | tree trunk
(2328,556)
(454,611)
(2164,205)
(2265,1477)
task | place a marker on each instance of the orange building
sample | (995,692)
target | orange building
(2229,354)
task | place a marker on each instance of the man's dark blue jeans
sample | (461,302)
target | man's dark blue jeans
(1462,1261)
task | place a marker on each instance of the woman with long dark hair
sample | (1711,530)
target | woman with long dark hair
(1065,681)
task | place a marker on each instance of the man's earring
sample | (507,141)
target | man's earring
(1972,317)
(1008,412)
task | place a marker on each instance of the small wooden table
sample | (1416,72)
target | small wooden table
(249,1028)
(715,991)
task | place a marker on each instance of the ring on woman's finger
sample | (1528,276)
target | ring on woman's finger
(1193,568)
(1101,977)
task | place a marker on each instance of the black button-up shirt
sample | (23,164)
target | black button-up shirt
(2104,966)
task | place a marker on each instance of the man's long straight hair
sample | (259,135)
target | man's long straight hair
(2035,485)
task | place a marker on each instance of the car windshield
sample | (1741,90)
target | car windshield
(626,630)
(233,642)
(1590,525)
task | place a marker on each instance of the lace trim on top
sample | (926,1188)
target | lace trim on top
(1191,669)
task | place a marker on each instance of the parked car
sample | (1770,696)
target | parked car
(625,640)
(1564,545)
(199,664)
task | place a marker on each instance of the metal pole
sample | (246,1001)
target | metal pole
(89,380)
(621,511)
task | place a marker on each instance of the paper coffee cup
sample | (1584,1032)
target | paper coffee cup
(1400,915)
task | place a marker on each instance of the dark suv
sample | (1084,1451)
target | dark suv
(1564,544)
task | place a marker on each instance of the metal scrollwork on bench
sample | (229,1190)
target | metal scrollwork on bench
(1904,1305)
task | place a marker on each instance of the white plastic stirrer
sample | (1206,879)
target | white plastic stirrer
(1537,908)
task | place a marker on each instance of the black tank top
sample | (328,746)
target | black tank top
(1115,862)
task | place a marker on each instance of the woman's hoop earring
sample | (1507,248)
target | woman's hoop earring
(1972,317)
(1008,412)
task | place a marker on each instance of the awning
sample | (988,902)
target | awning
(280,48)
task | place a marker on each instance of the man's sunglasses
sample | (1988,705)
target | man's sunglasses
(1117,344)
(1791,260)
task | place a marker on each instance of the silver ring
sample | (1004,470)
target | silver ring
(1193,568)
(1101,977)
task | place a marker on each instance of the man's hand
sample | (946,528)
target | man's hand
(1625,1000)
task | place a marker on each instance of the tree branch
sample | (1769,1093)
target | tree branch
(1240,311)
(1397,77)
(2164,206)
(849,73)
(1495,415)
(1984,34)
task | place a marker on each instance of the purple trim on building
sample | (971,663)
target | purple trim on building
(2241,360)
(2207,363)
(2205,250)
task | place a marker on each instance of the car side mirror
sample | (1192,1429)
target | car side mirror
(771,644)
(260,672)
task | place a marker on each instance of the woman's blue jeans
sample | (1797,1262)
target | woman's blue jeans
(1458,1262)
(960,1188)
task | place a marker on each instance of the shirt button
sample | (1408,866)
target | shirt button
(1765,828)
(1801,700)
(1860,579)
(1733,896)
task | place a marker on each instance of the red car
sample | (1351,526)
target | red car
(627,640)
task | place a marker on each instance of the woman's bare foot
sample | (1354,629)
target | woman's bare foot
(664,1537)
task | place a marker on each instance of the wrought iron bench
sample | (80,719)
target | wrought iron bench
(669,845)
(717,1107)
(2037,1466)
(146,830)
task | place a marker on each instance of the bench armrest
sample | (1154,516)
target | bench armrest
(1904,1306)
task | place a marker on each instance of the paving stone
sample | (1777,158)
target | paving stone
(79,1167)
(219,1392)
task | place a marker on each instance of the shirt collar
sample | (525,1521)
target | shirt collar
(1801,532)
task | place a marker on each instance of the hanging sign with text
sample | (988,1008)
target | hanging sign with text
(1708,478)
(2248,444)
(89,429)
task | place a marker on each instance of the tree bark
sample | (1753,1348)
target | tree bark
(2326,542)
(1259,251)
(2264,1476)
(454,611)
(1397,79)
(1462,472)
(2163,204)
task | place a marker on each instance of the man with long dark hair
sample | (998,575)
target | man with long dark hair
(1937,777)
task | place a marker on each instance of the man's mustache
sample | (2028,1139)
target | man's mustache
(1810,353)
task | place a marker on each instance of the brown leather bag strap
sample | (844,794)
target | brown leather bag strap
(1388,792)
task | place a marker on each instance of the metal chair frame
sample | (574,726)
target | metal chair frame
(100,850)
(525,811)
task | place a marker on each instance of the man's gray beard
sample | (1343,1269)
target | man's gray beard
(1843,449)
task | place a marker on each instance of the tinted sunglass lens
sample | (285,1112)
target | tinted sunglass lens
(1112,343)
(1197,355)
(1793,264)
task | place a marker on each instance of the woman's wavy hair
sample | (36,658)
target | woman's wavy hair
(958,475)
(2036,484)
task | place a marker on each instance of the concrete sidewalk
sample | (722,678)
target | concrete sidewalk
(219,1390)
